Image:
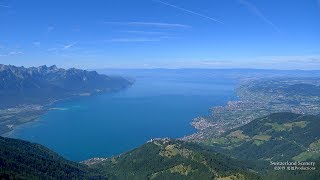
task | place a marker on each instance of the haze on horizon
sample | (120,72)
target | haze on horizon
(161,34)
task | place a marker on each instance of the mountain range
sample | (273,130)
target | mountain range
(34,85)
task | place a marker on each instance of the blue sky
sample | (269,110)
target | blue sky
(277,34)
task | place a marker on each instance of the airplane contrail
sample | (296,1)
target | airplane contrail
(258,13)
(188,11)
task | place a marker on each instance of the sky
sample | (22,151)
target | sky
(264,34)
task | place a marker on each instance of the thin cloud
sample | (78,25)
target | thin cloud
(36,44)
(154,24)
(125,40)
(52,49)
(307,62)
(76,29)
(68,46)
(15,52)
(145,32)
(11,53)
(258,13)
(311,59)
(215,63)
(50,28)
(188,11)
(4,6)
(62,48)
(140,39)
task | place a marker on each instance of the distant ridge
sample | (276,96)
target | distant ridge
(45,84)
(214,69)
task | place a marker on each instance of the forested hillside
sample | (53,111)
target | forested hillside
(24,160)
(172,159)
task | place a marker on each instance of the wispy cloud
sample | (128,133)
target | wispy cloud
(15,52)
(61,48)
(67,46)
(52,49)
(36,44)
(153,24)
(175,64)
(76,29)
(188,11)
(125,40)
(11,53)
(145,32)
(310,59)
(4,6)
(308,62)
(50,29)
(303,62)
(256,11)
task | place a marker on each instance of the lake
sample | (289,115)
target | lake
(161,103)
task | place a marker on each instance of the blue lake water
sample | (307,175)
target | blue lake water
(159,104)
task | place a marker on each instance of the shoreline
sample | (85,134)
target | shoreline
(40,110)
(252,104)
(19,126)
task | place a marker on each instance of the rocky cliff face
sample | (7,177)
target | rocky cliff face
(39,84)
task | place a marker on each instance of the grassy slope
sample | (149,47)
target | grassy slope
(277,137)
(163,159)
(280,136)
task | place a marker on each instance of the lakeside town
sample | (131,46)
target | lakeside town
(259,98)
